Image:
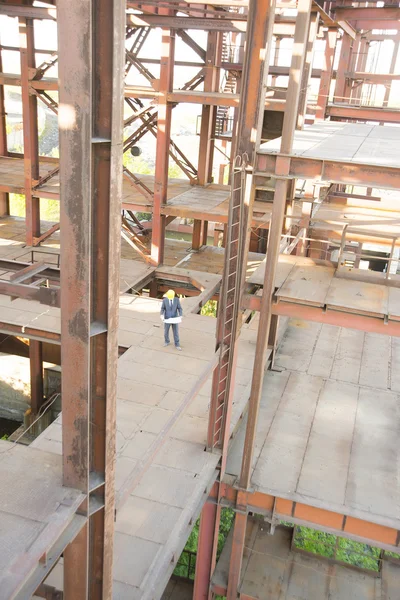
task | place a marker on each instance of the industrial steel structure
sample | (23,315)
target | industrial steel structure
(287,404)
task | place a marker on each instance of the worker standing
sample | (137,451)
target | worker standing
(171,315)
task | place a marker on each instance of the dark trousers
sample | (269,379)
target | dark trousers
(174,331)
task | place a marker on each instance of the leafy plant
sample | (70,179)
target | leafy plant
(209,309)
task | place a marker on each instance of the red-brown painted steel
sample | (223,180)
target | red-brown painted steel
(278,212)
(36,375)
(30,129)
(4,200)
(207,547)
(306,74)
(326,75)
(163,142)
(342,88)
(364,113)
(208,113)
(91,60)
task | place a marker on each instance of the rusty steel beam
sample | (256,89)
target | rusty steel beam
(333,171)
(178,22)
(239,536)
(306,74)
(207,545)
(30,130)
(377,78)
(249,130)
(364,113)
(274,237)
(36,375)
(342,87)
(164,118)
(368,26)
(365,531)
(43,295)
(189,41)
(251,112)
(29,12)
(326,75)
(338,318)
(4,198)
(209,113)
(370,14)
(91,67)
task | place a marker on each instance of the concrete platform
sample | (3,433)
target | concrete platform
(344,142)
(272,571)
(183,200)
(163,473)
(315,283)
(35,510)
(328,429)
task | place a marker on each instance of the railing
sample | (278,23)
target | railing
(186,565)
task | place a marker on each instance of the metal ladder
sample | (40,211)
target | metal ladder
(228,325)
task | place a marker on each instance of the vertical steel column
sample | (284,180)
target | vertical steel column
(360,51)
(391,70)
(209,113)
(30,126)
(4,199)
(326,76)
(91,66)
(36,375)
(207,547)
(163,139)
(342,90)
(196,236)
(251,113)
(306,75)
(274,238)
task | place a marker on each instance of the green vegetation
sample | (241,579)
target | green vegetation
(49,209)
(186,564)
(326,545)
(209,309)
(347,551)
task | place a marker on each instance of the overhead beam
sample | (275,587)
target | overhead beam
(361,113)
(175,22)
(372,77)
(333,171)
(29,12)
(338,318)
(391,13)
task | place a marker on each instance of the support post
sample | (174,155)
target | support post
(91,67)
(30,125)
(391,70)
(342,89)
(306,75)
(163,140)
(274,238)
(4,198)
(360,52)
(326,76)
(196,237)
(36,375)
(239,536)
(207,550)
(204,233)
(251,113)
(208,113)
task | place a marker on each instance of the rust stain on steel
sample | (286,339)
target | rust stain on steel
(78,325)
